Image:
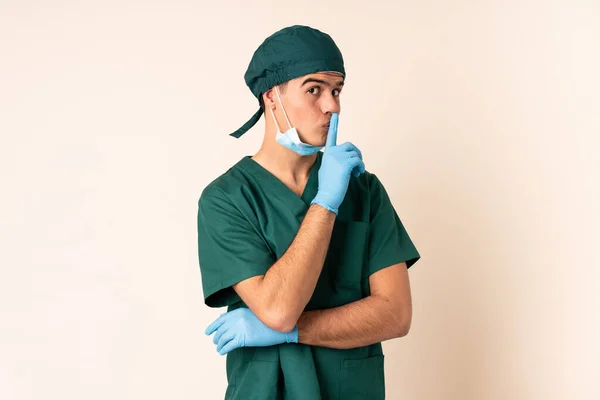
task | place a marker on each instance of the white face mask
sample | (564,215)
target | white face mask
(290,138)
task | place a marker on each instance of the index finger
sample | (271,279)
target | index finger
(216,324)
(332,134)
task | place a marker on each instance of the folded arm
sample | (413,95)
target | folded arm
(279,297)
(384,315)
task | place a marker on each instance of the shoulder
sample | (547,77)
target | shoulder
(362,197)
(366,183)
(374,192)
(223,188)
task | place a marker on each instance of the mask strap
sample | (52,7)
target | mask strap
(275,120)
(284,113)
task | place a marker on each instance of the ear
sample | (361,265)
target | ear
(269,99)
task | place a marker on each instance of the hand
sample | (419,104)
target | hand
(241,328)
(339,162)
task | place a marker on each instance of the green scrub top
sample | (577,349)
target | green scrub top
(247,219)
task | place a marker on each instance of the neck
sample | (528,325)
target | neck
(281,161)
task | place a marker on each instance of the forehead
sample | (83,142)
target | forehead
(329,78)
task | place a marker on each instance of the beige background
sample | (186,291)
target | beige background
(481,118)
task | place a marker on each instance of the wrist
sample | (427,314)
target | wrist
(328,205)
(307,320)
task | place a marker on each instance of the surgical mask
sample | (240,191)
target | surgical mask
(290,138)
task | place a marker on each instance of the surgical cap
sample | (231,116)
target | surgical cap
(287,54)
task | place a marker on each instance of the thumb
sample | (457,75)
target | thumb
(332,134)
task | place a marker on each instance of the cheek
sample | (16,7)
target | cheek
(305,114)
(310,120)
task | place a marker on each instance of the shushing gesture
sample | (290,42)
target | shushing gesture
(338,164)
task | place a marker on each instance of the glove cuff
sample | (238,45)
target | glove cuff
(292,337)
(324,204)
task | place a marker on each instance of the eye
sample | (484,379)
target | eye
(314,90)
(336,92)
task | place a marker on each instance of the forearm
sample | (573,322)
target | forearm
(361,323)
(289,284)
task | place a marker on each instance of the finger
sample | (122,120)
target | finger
(332,134)
(348,146)
(228,336)
(216,324)
(231,345)
(358,151)
(355,162)
(352,154)
(222,329)
(359,169)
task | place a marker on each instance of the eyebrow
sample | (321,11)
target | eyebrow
(315,80)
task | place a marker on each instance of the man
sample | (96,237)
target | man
(302,243)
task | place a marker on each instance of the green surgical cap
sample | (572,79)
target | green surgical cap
(287,54)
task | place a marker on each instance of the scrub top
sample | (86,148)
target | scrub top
(247,219)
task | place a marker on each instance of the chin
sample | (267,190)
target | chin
(318,139)
(322,140)
(319,142)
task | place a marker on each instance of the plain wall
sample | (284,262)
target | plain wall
(482,119)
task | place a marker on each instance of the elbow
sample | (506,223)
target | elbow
(285,326)
(403,329)
(283,323)
(280,320)
(403,322)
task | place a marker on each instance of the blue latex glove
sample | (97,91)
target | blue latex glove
(338,163)
(241,328)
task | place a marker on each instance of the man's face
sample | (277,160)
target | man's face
(309,102)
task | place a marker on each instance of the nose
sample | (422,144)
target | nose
(330,103)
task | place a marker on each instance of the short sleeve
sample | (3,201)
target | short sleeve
(230,250)
(389,243)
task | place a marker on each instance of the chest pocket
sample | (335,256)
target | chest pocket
(344,273)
